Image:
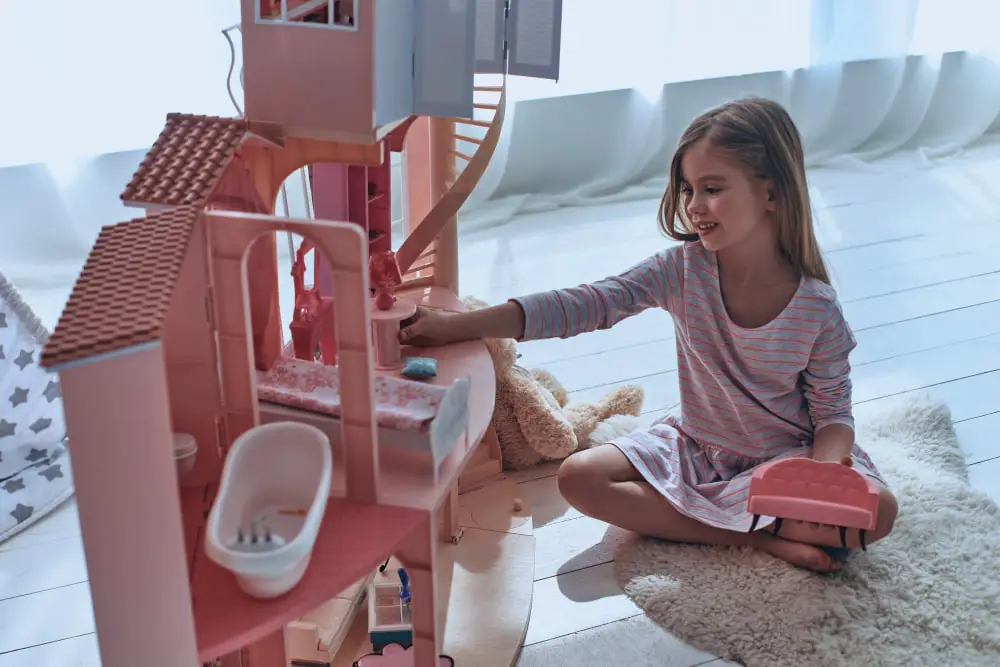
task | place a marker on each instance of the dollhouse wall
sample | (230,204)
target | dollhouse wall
(117,410)
(315,80)
(191,361)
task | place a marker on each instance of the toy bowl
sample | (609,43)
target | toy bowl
(271,500)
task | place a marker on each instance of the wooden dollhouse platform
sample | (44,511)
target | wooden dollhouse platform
(484,584)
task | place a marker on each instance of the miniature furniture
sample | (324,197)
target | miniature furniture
(802,489)
(175,316)
(273,493)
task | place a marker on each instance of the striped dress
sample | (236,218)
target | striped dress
(747,395)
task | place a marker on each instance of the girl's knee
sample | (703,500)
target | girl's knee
(888,508)
(579,473)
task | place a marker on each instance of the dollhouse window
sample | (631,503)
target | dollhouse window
(336,14)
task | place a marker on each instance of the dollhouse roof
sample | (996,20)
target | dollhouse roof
(121,296)
(186,161)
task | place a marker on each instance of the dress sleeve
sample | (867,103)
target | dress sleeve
(828,374)
(655,282)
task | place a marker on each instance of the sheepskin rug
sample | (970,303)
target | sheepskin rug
(929,594)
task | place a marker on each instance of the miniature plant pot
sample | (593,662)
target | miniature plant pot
(272,497)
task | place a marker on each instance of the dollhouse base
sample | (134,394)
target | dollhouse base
(484,584)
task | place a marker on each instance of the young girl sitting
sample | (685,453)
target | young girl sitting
(761,341)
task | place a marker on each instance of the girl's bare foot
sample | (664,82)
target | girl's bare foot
(800,554)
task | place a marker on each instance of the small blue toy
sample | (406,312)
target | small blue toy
(404,581)
(419,368)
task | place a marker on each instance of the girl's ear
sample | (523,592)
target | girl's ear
(771,203)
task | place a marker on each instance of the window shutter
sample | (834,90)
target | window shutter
(393,44)
(490,29)
(534,30)
(444,58)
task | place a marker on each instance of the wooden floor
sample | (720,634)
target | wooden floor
(916,260)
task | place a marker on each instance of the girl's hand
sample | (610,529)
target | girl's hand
(428,328)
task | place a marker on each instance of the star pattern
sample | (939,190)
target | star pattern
(40,424)
(24,359)
(52,472)
(30,424)
(36,455)
(52,391)
(22,513)
(12,485)
(20,395)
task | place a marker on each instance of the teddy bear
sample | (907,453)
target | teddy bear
(533,418)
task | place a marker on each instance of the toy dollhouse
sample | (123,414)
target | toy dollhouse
(255,478)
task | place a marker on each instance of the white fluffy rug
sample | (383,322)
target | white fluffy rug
(929,594)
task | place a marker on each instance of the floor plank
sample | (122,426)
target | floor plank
(576,601)
(985,476)
(45,616)
(79,651)
(632,641)
(980,437)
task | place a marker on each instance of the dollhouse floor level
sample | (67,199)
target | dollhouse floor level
(353,539)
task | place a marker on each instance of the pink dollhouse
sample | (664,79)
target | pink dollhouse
(180,384)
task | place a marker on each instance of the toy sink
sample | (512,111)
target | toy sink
(271,500)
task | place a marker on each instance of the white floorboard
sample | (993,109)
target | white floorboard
(915,258)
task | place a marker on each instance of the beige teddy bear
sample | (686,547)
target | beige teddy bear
(533,418)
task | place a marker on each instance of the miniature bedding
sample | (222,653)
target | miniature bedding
(35,475)
(400,404)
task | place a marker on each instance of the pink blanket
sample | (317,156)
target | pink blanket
(400,404)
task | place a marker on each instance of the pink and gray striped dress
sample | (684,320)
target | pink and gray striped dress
(747,395)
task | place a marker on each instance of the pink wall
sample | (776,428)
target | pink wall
(305,76)
(192,366)
(119,424)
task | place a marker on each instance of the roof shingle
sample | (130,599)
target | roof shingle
(122,295)
(186,161)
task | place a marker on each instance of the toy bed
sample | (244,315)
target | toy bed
(411,415)
(35,475)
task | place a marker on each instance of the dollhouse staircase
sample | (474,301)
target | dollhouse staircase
(468,155)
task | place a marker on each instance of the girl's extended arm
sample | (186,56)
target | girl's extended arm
(828,390)
(656,282)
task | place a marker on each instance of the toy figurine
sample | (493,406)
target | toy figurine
(385,278)
(404,585)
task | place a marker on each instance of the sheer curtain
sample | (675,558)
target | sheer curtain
(862,78)
(86,87)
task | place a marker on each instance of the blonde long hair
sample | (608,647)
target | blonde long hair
(761,135)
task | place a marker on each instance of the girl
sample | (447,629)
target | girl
(762,347)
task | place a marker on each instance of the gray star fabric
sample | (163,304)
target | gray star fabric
(35,473)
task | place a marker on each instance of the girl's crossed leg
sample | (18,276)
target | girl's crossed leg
(603,484)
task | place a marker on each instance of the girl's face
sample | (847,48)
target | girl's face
(725,204)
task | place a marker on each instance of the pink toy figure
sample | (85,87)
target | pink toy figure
(803,489)
(312,319)
(385,278)
(395,655)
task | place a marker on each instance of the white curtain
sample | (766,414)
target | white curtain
(862,79)
(85,86)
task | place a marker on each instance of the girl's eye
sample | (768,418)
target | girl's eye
(713,190)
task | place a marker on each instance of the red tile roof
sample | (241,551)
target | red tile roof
(186,161)
(121,296)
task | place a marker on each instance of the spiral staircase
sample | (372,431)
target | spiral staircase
(426,242)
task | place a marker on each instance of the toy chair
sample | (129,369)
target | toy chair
(817,491)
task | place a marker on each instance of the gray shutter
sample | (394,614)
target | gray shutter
(393,54)
(444,58)
(534,31)
(490,29)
